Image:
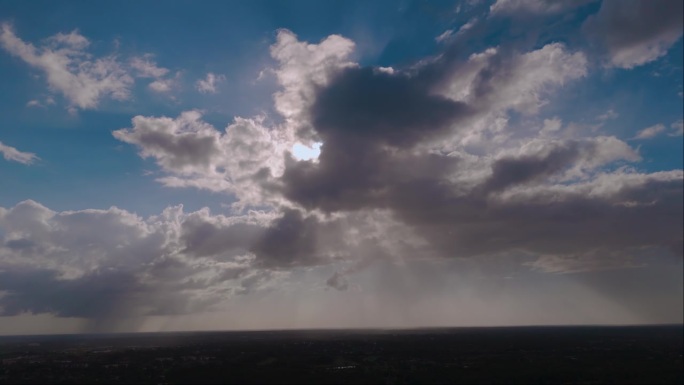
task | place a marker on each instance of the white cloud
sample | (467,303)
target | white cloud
(523,85)
(34,103)
(195,154)
(72,39)
(534,7)
(208,85)
(147,68)
(444,36)
(650,132)
(82,79)
(677,128)
(497,82)
(551,126)
(162,85)
(449,33)
(608,115)
(12,154)
(302,68)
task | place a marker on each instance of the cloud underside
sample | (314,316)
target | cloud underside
(635,32)
(415,163)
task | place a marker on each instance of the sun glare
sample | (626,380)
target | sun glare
(303,152)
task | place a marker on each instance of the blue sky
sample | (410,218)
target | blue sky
(551,101)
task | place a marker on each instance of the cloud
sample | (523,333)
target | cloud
(208,85)
(337,281)
(162,85)
(396,181)
(302,68)
(500,80)
(634,32)
(608,115)
(112,263)
(146,68)
(444,35)
(449,33)
(534,7)
(83,80)
(195,154)
(467,205)
(677,128)
(650,132)
(395,176)
(12,154)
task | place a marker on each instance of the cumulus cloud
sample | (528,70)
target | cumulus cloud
(394,159)
(302,68)
(12,154)
(468,205)
(195,154)
(82,79)
(635,32)
(112,264)
(208,84)
(107,263)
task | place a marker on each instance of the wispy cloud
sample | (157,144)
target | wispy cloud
(146,67)
(69,69)
(208,84)
(677,128)
(650,132)
(12,154)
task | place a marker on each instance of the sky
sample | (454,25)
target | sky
(339,164)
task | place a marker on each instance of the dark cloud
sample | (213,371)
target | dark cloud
(296,240)
(203,237)
(569,224)
(635,32)
(338,281)
(368,121)
(372,125)
(185,142)
(511,171)
(99,294)
(382,108)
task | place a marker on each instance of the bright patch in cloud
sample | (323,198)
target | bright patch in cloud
(302,152)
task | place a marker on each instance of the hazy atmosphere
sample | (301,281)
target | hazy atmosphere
(339,164)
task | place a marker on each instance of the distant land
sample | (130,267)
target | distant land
(531,355)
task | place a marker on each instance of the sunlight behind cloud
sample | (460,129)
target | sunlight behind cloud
(302,152)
